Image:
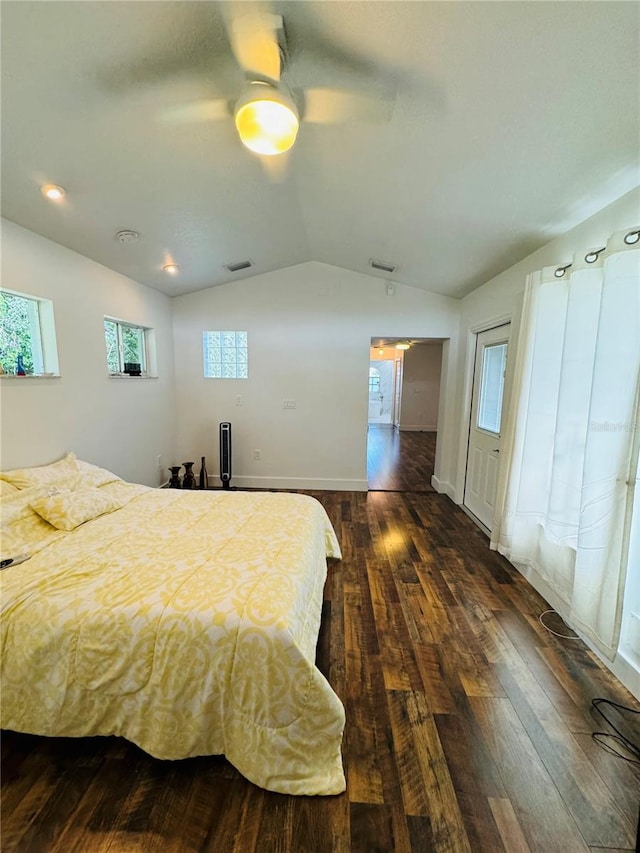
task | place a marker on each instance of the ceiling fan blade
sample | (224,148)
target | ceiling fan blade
(255,36)
(328,106)
(196,112)
(276,167)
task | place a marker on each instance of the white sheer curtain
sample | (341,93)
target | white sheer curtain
(569,435)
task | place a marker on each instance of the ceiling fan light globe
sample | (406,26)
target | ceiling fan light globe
(267,125)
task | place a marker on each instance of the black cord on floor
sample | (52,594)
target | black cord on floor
(604,739)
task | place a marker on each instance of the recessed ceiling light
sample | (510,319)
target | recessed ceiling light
(405,345)
(172,269)
(53,192)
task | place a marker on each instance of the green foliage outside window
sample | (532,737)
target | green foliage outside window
(17,316)
(124,344)
(132,344)
(111,340)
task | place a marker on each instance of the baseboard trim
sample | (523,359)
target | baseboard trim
(476,520)
(314,483)
(625,671)
(418,428)
(443,488)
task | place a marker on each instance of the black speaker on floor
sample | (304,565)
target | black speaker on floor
(225,454)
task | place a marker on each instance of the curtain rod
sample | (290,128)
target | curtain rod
(630,238)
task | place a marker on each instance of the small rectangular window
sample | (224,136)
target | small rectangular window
(494,360)
(225,355)
(127,347)
(27,335)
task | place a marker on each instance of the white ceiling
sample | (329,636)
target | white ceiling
(502,124)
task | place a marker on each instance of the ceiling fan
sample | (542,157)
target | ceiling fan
(266,115)
(267,112)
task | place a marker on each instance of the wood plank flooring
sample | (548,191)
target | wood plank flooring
(400,461)
(468,724)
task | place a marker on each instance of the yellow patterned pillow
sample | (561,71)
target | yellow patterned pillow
(43,475)
(22,530)
(69,510)
(91,475)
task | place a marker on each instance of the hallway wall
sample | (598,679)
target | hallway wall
(421,387)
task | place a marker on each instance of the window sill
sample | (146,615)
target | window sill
(30,376)
(127,377)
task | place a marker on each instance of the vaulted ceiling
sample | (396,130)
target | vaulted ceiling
(495,126)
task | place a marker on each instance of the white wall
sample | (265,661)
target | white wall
(501,298)
(310,328)
(421,387)
(121,424)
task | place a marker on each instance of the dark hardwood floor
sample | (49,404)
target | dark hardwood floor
(400,461)
(469,726)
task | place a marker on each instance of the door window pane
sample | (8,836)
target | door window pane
(494,360)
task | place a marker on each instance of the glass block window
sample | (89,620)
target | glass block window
(225,355)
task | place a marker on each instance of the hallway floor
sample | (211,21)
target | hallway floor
(400,461)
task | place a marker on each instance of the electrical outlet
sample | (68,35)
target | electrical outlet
(159,460)
(288,404)
(257,454)
(239,400)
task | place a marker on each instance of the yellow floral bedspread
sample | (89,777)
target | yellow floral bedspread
(185,622)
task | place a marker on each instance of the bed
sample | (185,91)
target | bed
(185,622)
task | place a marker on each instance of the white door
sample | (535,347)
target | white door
(484,428)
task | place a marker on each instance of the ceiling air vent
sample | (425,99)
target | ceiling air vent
(382,265)
(241,265)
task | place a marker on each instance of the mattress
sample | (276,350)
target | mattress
(185,622)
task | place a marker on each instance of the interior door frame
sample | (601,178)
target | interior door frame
(397,393)
(467,393)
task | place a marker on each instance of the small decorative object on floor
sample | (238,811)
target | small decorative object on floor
(189,479)
(175,481)
(204,477)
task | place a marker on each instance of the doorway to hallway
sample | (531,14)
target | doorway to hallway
(400,461)
(404,401)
